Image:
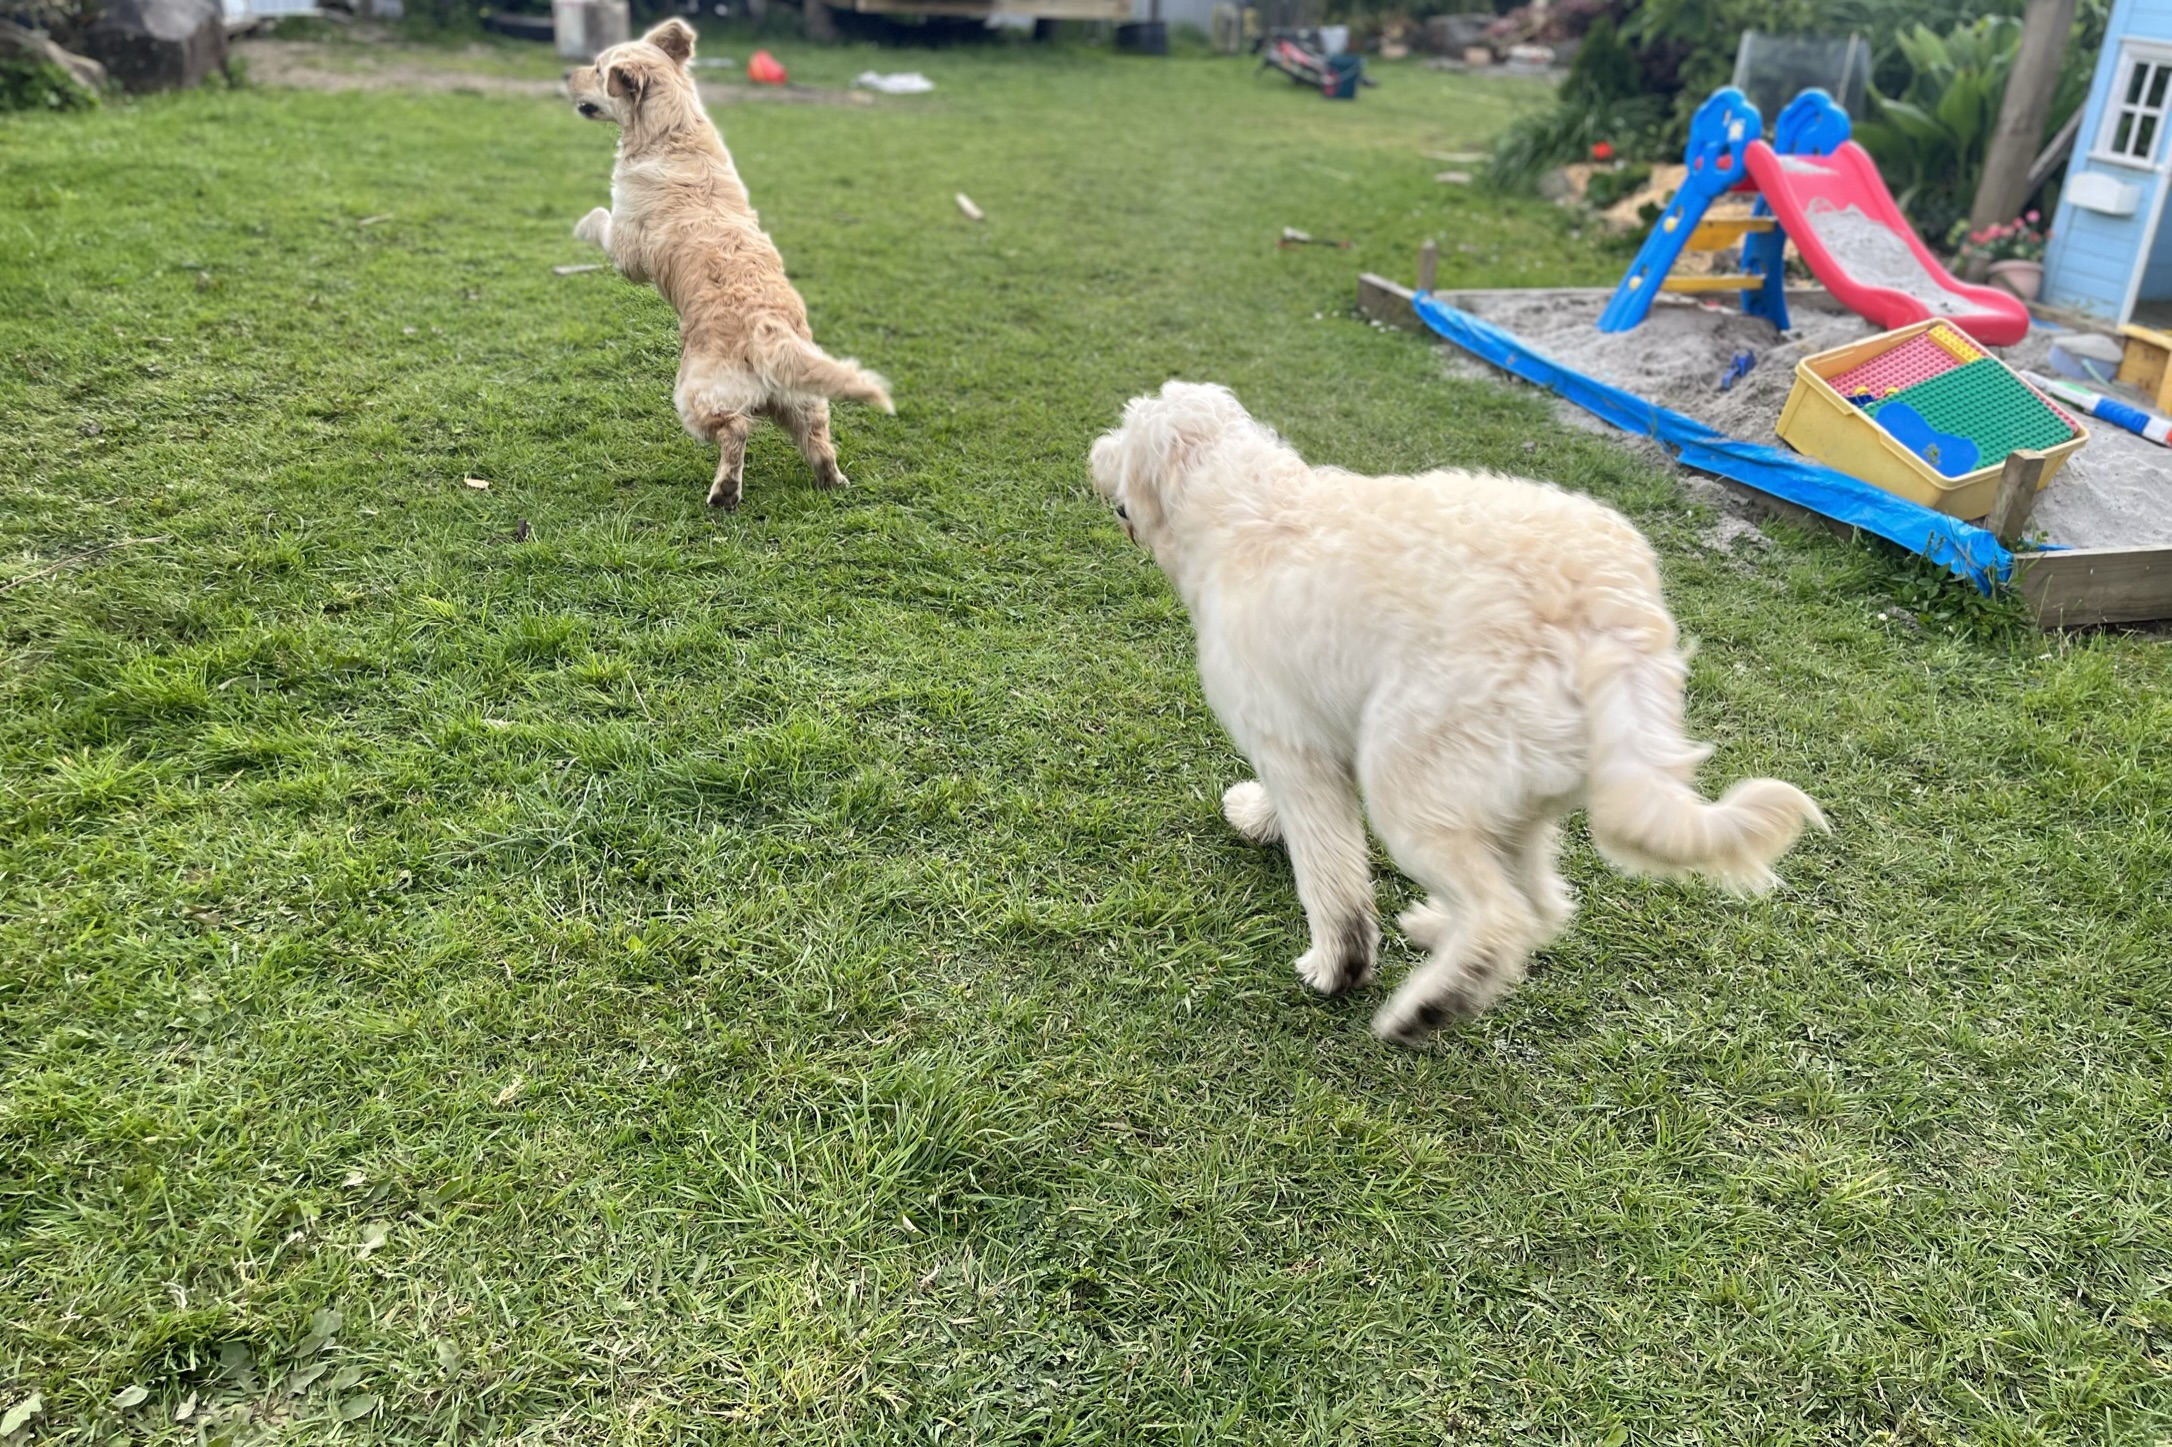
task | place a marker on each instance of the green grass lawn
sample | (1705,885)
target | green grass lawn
(553,964)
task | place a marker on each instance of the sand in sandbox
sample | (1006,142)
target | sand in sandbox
(1871,253)
(2114,493)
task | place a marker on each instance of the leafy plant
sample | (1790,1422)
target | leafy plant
(1931,139)
(1607,187)
(2015,240)
(37,85)
(1537,143)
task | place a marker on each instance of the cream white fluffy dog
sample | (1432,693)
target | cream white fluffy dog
(1469,655)
(680,218)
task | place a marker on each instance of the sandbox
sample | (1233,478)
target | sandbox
(2106,517)
(2117,491)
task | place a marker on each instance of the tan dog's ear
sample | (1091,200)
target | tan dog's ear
(674,38)
(625,82)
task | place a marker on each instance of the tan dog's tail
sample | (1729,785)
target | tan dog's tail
(791,363)
(1645,815)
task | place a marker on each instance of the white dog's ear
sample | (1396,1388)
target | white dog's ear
(1163,437)
(674,38)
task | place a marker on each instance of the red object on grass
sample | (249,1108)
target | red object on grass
(765,69)
(1601,151)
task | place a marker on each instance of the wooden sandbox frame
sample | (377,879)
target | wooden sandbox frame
(2067,588)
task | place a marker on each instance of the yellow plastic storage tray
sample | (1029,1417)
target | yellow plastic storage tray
(1821,423)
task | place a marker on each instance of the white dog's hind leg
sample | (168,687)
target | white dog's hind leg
(1478,959)
(1251,813)
(1426,924)
(1317,805)
(1552,900)
(594,228)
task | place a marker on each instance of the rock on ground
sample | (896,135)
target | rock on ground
(158,44)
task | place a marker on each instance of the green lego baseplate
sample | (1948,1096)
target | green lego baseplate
(1988,405)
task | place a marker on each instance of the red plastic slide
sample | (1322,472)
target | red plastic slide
(1837,211)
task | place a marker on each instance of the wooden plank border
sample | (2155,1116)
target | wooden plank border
(2081,587)
(2071,588)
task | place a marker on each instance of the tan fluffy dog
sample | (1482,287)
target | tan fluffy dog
(680,218)
(1466,656)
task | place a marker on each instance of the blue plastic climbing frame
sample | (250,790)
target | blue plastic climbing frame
(1812,125)
(1719,134)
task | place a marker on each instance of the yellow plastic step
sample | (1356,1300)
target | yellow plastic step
(1711,283)
(1717,233)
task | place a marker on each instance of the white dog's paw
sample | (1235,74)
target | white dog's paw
(1433,997)
(1338,966)
(1251,813)
(594,228)
(1554,899)
(1425,924)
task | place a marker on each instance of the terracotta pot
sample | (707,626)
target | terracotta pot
(2023,278)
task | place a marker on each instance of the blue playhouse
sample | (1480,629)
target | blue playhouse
(2110,254)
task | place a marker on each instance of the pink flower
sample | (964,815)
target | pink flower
(2033,217)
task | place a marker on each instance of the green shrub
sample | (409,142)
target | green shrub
(1607,187)
(301,27)
(39,85)
(1536,144)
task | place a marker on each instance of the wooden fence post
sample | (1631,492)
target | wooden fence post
(2016,495)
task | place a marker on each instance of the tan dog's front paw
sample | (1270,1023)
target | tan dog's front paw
(594,228)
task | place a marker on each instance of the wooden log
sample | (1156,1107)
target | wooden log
(1428,265)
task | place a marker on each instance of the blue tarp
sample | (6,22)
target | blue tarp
(1965,549)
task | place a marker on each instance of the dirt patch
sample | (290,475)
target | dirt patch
(2115,493)
(307,65)
(311,65)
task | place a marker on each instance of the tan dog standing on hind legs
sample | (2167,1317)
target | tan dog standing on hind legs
(680,218)
(1465,657)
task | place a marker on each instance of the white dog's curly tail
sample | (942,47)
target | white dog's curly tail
(1645,814)
(791,363)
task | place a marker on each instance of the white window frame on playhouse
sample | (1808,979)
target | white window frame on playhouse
(2134,54)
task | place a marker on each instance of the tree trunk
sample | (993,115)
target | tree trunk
(2020,132)
(821,25)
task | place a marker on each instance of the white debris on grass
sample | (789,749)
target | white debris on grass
(904,82)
